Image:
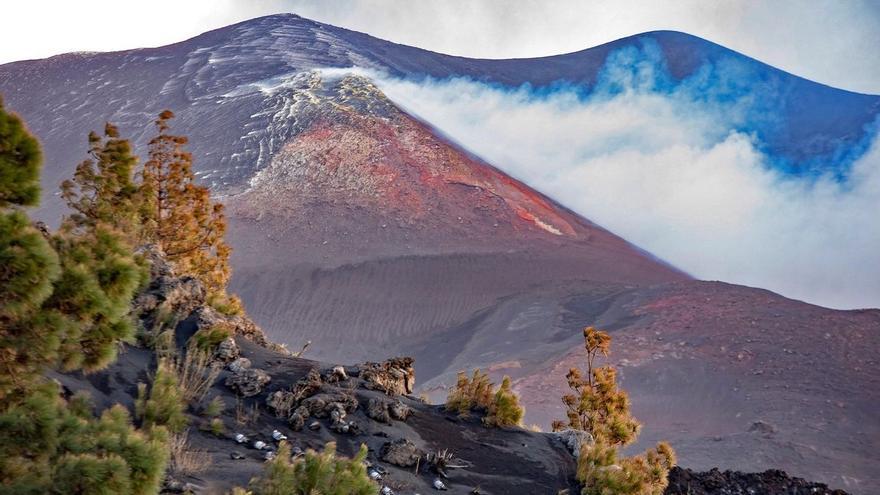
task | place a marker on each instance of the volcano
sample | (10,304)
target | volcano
(364,230)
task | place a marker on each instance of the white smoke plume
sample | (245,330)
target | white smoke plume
(665,171)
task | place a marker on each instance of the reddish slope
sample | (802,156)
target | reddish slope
(364,179)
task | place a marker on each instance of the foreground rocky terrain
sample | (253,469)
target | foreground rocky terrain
(267,393)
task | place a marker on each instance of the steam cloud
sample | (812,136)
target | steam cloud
(663,165)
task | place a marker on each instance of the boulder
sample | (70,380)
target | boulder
(401,452)
(239,365)
(282,402)
(207,317)
(167,293)
(384,410)
(248,382)
(298,419)
(395,376)
(377,409)
(573,439)
(399,410)
(322,404)
(227,350)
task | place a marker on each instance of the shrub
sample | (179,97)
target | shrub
(504,410)
(214,408)
(207,339)
(322,473)
(596,405)
(470,393)
(477,393)
(165,405)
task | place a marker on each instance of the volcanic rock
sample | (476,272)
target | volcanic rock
(395,376)
(248,381)
(401,452)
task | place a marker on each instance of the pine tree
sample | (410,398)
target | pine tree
(597,406)
(179,215)
(102,190)
(54,446)
(20,160)
(64,300)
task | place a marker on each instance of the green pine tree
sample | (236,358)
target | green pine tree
(20,160)
(64,301)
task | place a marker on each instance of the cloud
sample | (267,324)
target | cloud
(665,167)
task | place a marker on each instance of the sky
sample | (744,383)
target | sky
(834,42)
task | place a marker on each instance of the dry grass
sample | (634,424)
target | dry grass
(196,375)
(186,461)
(246,415)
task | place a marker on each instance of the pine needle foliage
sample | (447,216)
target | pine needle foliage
(57,447)
(164,404)
(322,473)
(20,161)
(64,298)
(64,302)
(102,190)
(597,406)
(178,214)
(504,410)
(478,393)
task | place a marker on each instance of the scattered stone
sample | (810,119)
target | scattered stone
(395,376)
(439,485)
(269,455)
(762,428)
(227,350)
(387,491)
(401,452)
(278,436)
(239,438)
(259,445)
(235,456)
(315,426)
(375,475)
(248,382)
(239,365)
